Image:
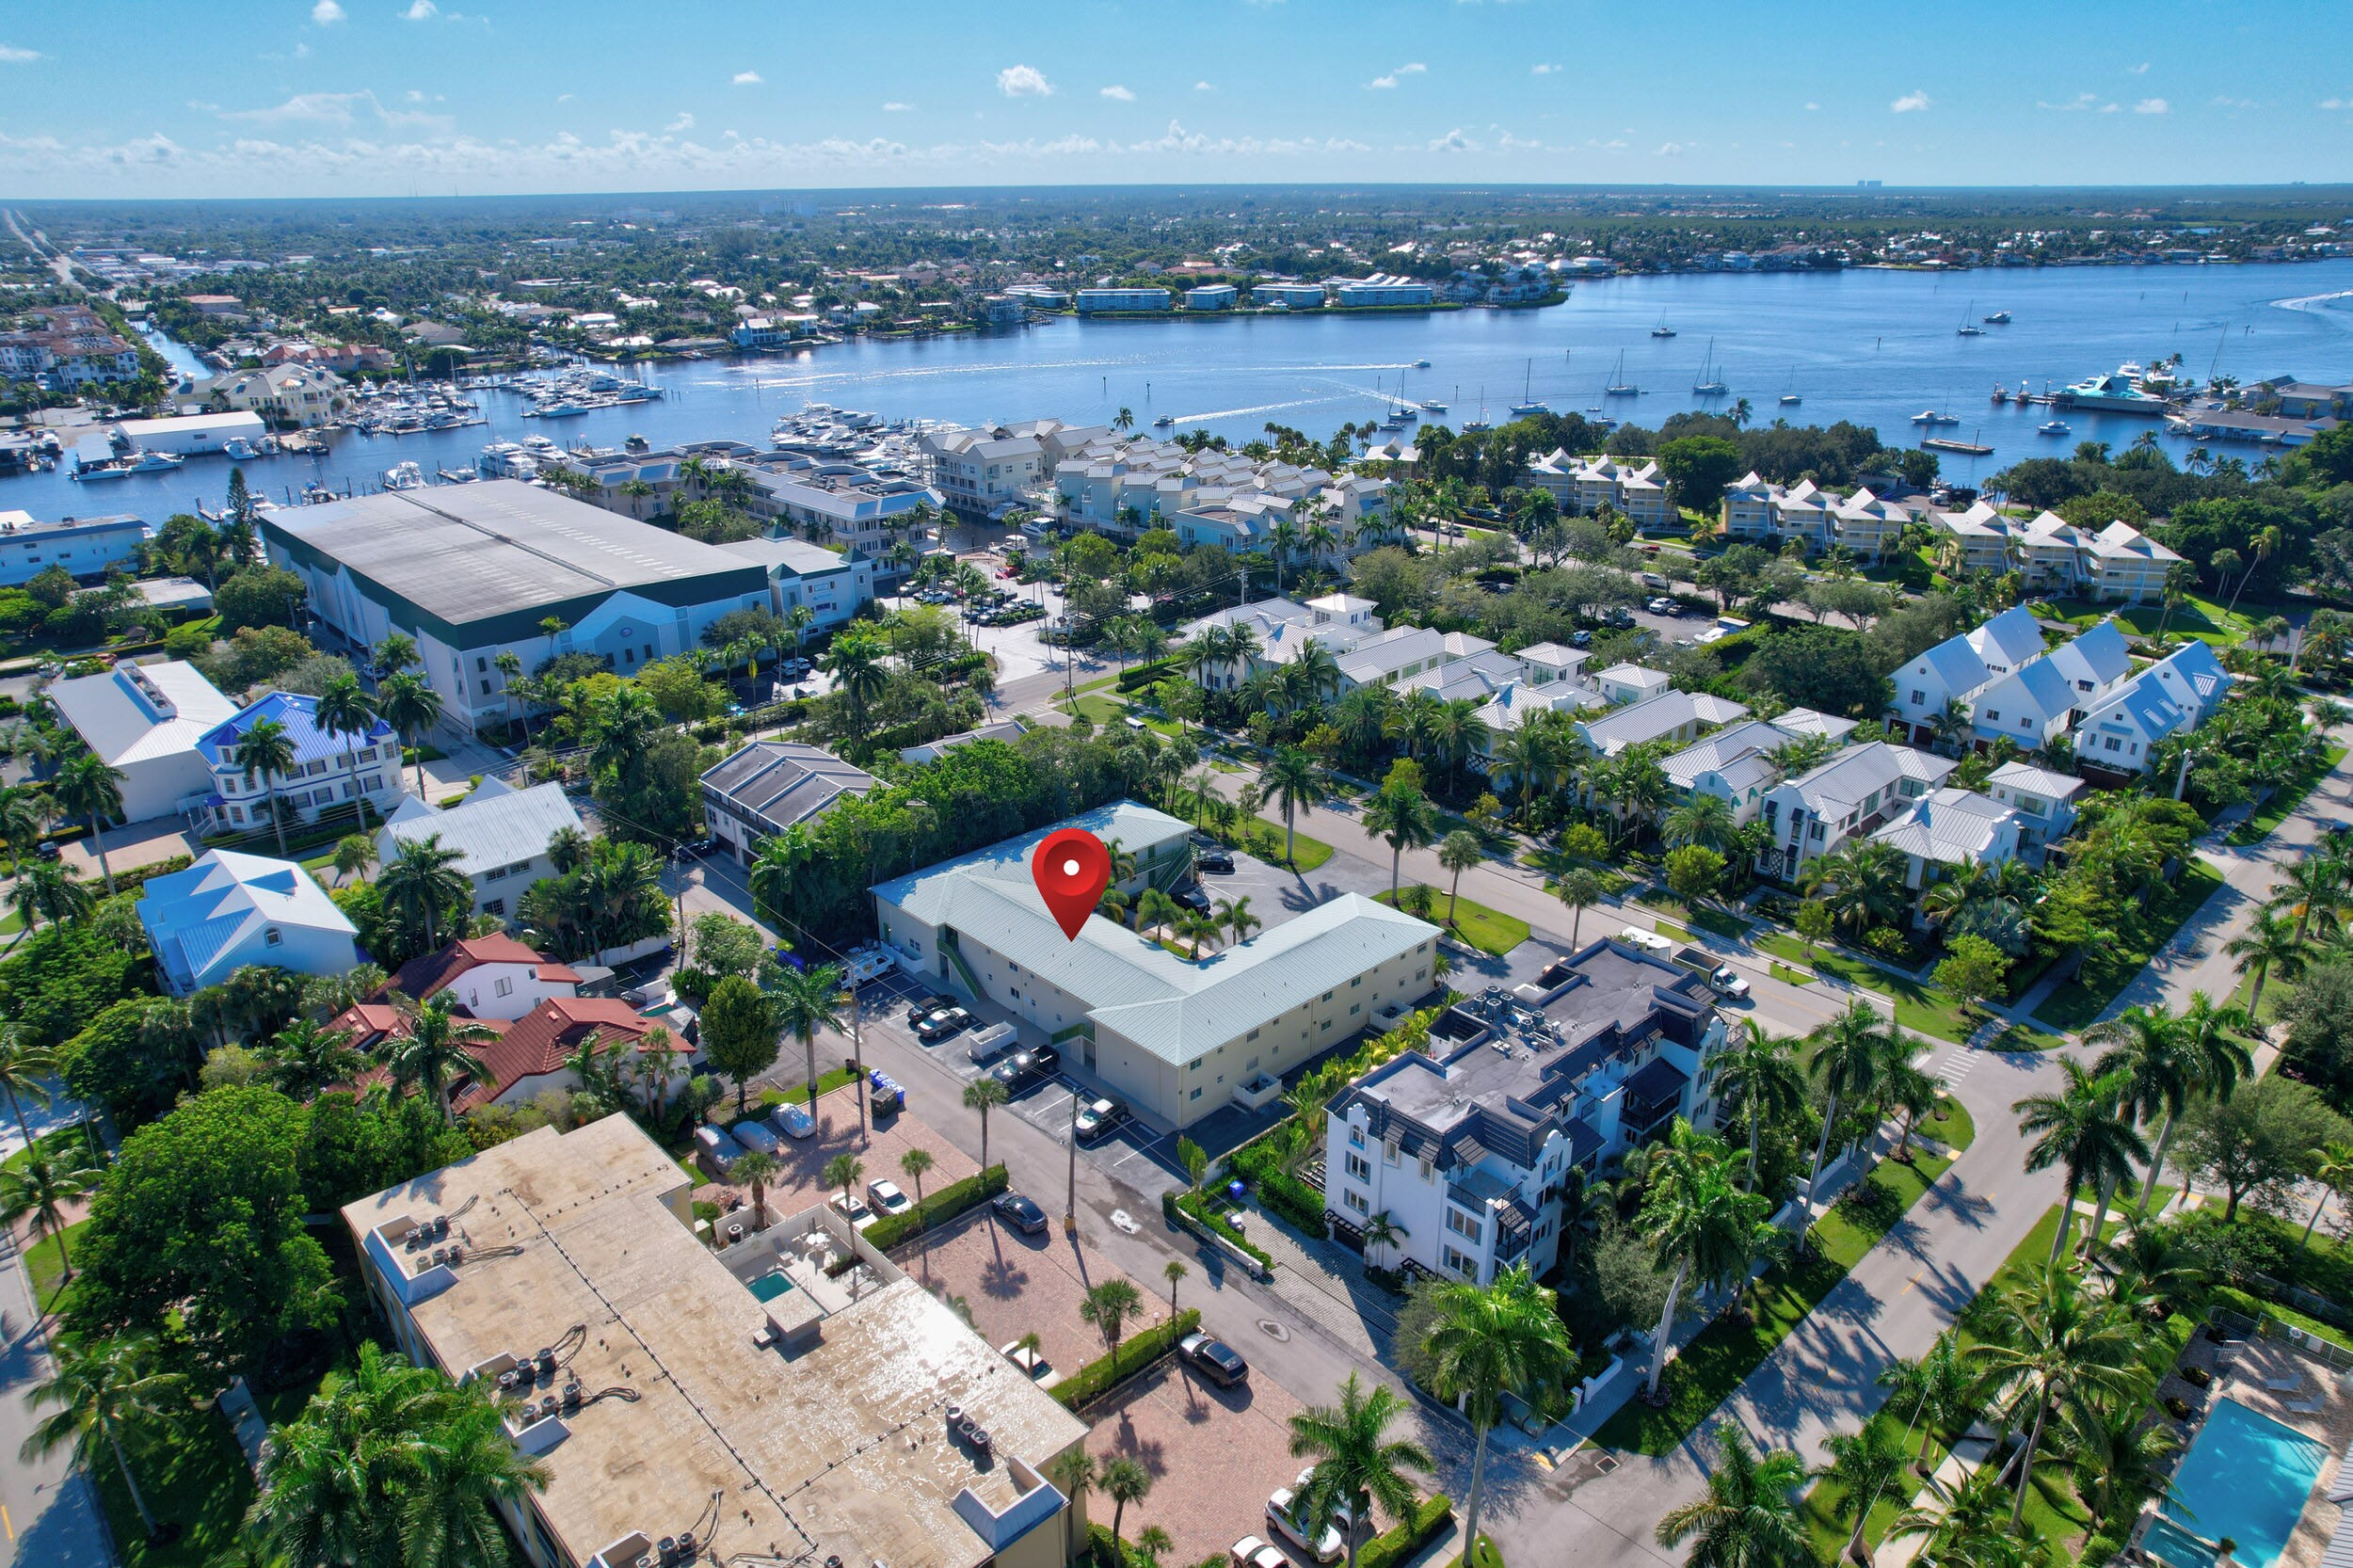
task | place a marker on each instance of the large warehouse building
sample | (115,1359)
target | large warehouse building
(473,570)
(1171,1035)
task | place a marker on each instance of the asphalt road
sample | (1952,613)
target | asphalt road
(49,1512)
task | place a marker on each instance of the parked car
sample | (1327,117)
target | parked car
(1213,1358)
(700,848)
(853,1207)
(941,1024)
(1097,1117)
(1217,862)
(754,1134)
(1026,1067)
(793,1120)
(1325,1547)
(1020,1214)
(923,1007)
(1251,1552)
(884,1092)
(1661,605)
(1193,898)
(886,1197)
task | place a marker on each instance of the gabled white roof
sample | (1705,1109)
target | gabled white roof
(132,714)
(2100,656)
(1656,717)
(1847,779)
(496,825)
(1953,827)
(2040,782)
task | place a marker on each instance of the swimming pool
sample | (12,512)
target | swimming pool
(2246,1476)
(768,1287)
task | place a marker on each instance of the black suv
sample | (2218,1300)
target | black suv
(1026,1067)
(1214,1359)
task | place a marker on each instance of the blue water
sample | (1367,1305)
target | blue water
(2246,1476)
(1871,346)
(768,1287)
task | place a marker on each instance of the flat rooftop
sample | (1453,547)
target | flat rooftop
(836,1448)
(465,553)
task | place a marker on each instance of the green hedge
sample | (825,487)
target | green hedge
(1398,1542)
(1201,1215)
(1096,1379)
(937,1208)
(1279,1192)
(1140,676)
(138,876)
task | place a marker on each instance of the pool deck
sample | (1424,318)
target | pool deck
(2317,1402)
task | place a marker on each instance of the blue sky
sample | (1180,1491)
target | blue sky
(108,98)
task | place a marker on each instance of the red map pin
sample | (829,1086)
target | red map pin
(1071,869)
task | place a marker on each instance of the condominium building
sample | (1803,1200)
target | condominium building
(1380,288)
(1463,1147)
(981,473)
(1583,486)
(1863,524)
(330,773)
(86,548)
(1956,669)
(1212,297)
(2115,565)
(1287,297)
(774,1399)
(1122,485)
(1115,301)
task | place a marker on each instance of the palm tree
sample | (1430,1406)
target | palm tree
(1402,814)
(855,663)
(1291,779)
(1703,819)
(305,1060)
(1076,1473)
(1862,1465)
(45,891)
(980,1095)
(777,872)
(1749,1518)
(2144,1052)
(1937,1386)
(802,1001)
(433,1051)
(842,1171)
(1357,1463)
(1849,1059)
(1123,1481)
(2268,945)
(2121,1463)
(103,1389)
(1173,1271)
(1457,852)
(354,854)
(423,881)
(348,712)
(25,1065)
(1760,1072)
(411,705)
(2331,1171)
(2051,1344)
(40,1187)
(2082,1128)
(268,749)
(1108,1305)
(914,1164)
(1699,1223)
(83,786)
(1488,1342)
(1234,915)
(1861,881)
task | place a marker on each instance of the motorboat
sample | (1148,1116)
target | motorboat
(154,462)
(1165,421)
(1431,406)
(2119,391)
(1421,364)
(1999,318)
(2001,393)
(1929,416)
(506,460)
(238,449)
(404,477)
(2055,427)
(1790,400)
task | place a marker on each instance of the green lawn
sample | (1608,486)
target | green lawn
(1952,1125)
(2202,618)
(1708,918)
(2026,1037)
(45,1265)
(1097,709)
(1792,977)
(1669,929)
(1823,1503)
(1921,1008)
(1727,1350)
(1488,930)
(2285,799)
(2074,1005)
(196,1481)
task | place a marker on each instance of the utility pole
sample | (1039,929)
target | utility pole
(857,1049)
(1070,1206)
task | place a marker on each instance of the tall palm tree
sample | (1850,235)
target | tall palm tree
(1488,1342)
(422,882)
(1357,1463)
(348,712)
(267,748)
(306,1059)
(2331,1167)
(2270,945)
(436,1047)
(1292,781)
(1850,1057)
(2083,1129)
(83,786)
(1123,1481)
(2051,1344)
(26,1067)
(104,1389)
(804,1001)
(1748,1517)
(981,1094)
(1110,1305)
(39,1188)
(855,663)
(1580,888)
(1701,1226)
(1967,1523)
(842,1171)
(1759,1072)
(1863,1463)
(1937,1388)
(2142,1048)
(2313,889)
(1703,819)
(411,705)
(1458,852)
(1402,815)
(914,1164)
(1077,1475)
(45,891)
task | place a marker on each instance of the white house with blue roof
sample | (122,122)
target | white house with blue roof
(1957,668)
(2173,696)
(330,771)
(2043,698)
(229,910)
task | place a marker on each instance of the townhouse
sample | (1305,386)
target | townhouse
(1951,828)
(1123,484)
(2115,565)
(2044,698)
(1851,793)
(981,473)
(2044,801)
(2173,696)
(1671,715)
(1957,668)
(503,839)
(1865,526)
(1736,764)
(1460,1148)
(1583,486)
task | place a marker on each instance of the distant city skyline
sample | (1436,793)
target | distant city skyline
(108,99)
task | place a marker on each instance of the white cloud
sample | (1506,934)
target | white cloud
(683,123)
(1210,86)
(2336,104)
(327,14)
(1024,81)
(1542,69)
(11,54)
(1812,107)
(420,10)
(301,51)
(563,96)
(1911,102)
(2152,105)
(897,108)
(2140,70)
(1119,94)
(746,78)
(2076,105)
(1453,141)
(2109,109)
(1390,80)
(1669,150)
(327,108)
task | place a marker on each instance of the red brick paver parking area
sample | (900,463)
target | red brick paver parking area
(801,1183)
(1013,1284)
(1215,1455)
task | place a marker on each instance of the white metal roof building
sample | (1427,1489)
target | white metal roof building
(1952,827)
(771,786)
(500,835)
(231,910)
(144,721)
(1172,1035)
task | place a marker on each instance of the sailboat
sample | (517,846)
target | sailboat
(1527,406)
(1619,386)
(1662,330)
(1970,328)
(1474,426)
(1710,383)
(1789,398)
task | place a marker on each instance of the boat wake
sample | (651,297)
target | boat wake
(1256,408)
(2312,304)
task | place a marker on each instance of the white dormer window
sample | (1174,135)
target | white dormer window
(272,938)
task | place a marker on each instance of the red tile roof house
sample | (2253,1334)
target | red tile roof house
(504,986)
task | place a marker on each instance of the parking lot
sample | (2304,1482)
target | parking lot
(1215,1455)
(1013,1284)
(801,1183)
